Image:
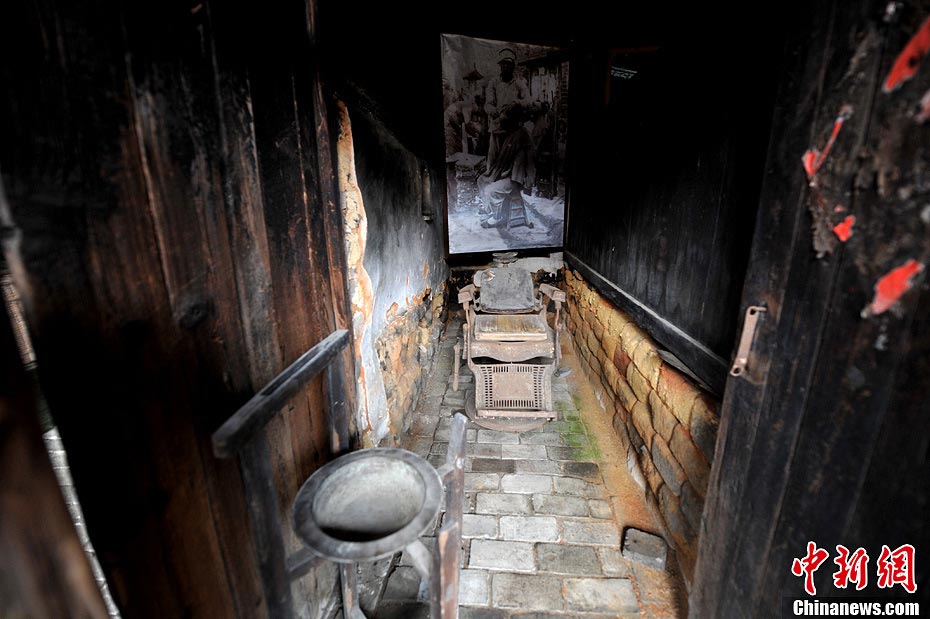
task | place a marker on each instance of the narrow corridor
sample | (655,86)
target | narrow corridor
(546,512)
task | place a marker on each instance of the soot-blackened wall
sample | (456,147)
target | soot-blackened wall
(667,154)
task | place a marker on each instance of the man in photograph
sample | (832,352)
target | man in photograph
(511,170)
(501,93)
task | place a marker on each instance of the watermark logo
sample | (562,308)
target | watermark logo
(896,567)
(853,569)
(893,567)
(808,565)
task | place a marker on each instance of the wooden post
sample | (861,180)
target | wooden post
(338,411)
(445,572)
(262,497)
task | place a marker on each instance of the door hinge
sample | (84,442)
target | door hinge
(750,320)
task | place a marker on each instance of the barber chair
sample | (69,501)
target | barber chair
(510,347)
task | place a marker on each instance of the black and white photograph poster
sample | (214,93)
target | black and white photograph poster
(506,107)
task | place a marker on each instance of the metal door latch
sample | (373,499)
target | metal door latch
(745,340)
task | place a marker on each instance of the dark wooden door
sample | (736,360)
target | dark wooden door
(825,439)
(166,165)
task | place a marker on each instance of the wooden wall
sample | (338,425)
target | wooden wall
(665,168)
(167,167)
(825,439)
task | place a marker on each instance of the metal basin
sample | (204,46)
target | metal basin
(367,505)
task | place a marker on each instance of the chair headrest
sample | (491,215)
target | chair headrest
(506,289)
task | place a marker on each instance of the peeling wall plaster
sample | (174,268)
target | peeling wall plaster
(395,257)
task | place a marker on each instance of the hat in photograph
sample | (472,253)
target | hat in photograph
(506,55)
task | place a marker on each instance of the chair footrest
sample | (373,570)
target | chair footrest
(516,414)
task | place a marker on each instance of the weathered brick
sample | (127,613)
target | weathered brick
(611,376)
(478,450)
(479,526)
(668,467)
(621,411)
(583,352)
(474,587)
(690,458)
(493,436)
(601,356)
(563,453)
(651,473)
(476,482)
(642,423)
(613,563)
(625,393)
(497,555)
(587,532)
(526,484)
(584,470)
(594,345)
(577,487)
(638,383)
(615,320)
(636,439)
(488,503)
(684,536)
(597,327)
(523,452)
(569,560)
(541,438)
(646,358)
(587,316)
(609,343)
(610,595)
(678,393)
(608,388)
(527,592)
(620,427)
(631,336)
(704,424)
(622,360)
(599,508)
(663,420)
(559,505)
(644,547)
(529,528)
(492,465)
(692,506)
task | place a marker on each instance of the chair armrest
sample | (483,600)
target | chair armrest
(552,292)
(467,293)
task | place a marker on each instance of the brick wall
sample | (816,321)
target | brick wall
(657,412)
(405,350)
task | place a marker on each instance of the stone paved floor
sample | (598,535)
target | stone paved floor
(545,513)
